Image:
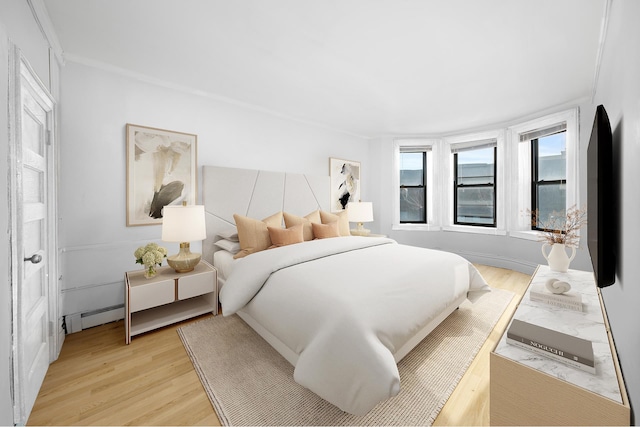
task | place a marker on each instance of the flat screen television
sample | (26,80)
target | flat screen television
(601,201)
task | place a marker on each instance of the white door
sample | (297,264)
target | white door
(32,254)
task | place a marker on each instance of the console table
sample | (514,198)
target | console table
(530,389)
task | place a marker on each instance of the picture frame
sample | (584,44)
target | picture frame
(161,170)
(345,182)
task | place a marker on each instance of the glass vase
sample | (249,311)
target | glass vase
(150,271)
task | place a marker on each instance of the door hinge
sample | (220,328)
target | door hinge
(48,137)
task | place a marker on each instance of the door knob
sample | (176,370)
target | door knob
(35,258)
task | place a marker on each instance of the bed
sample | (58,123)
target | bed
(343,311)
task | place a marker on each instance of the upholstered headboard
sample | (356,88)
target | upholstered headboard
(256,194)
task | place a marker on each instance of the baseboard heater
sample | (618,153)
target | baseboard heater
(79,321)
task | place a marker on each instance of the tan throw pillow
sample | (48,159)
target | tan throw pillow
(253,234)
(342,219)
(324,231)
(307,232)
(285,236)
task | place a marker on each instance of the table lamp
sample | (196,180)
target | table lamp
(360,212)
(183,224)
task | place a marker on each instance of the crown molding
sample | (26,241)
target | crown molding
(68,57)
(41,15)
(601,42)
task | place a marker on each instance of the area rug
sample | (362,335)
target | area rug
(249,383)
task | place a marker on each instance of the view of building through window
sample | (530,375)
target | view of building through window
(413,187)
(549,172)
(475,195)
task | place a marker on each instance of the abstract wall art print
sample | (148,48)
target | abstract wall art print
(345,183)
(161,170)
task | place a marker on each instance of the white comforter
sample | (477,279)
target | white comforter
(345,306)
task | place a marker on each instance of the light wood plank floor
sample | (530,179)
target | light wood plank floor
(98,380)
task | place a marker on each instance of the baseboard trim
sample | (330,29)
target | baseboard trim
(79,321)
(102,316)
(498,261)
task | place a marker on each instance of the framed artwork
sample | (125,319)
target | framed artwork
(161,170)
(345,182)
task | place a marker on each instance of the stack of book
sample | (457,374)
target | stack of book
(570,350)
(568,300)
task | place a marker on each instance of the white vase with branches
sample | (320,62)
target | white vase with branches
(560,232)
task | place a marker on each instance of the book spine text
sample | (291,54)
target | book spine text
(557,355)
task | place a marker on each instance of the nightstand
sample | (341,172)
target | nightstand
(367,235)
(169,297)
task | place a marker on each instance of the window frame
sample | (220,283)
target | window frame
(520,176)
(456,186)
(535,180)
(432,177)
(457,142)
(424,185)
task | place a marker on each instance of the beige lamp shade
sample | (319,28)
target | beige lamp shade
(183,224)
(360,212)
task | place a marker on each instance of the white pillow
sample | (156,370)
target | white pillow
(228,245)
(230,234)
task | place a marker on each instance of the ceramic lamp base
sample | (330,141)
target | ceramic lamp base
(360,231)
(185,260)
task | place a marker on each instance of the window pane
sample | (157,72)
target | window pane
(552,157)
(475,186)
(551,201)
(412,169)
(476,166)
(549,197)
(475,205)
(412,207)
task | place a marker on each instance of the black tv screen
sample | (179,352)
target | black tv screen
(601,203)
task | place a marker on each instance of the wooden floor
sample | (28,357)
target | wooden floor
(98,380)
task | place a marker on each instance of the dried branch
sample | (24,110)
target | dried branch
(560,228)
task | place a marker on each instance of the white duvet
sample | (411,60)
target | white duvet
(345,306)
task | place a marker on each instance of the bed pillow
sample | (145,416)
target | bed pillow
(325,231)
(306,221)
(230,234)
(228,245)
(253,233)
(285,236)
(342,219)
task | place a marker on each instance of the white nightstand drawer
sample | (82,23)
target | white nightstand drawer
(198,284)
(152,294)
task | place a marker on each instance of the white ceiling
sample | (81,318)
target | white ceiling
(366,67)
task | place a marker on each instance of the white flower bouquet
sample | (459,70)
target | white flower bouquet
(150,256)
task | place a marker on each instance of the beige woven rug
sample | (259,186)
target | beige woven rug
(249,383)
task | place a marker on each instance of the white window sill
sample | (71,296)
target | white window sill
(415,227)
(526,235)
(475,230)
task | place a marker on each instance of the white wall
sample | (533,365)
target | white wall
(618,90)
(17,24)
(96,246)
